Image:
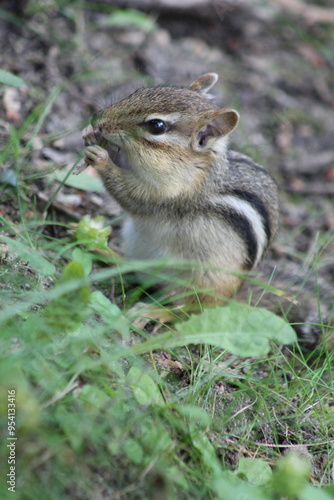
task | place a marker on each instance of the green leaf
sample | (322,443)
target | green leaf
(316,493)
(207,451)
(329,490)
(230,487)
(9,79)
(195,415)
(33,257)
(255,470)
(241,329)
(109,313)
(68,422)
(94,396)
(85,259)
(134,451)
(128,17)
(66,312)
(155,438)
(144,388)
(84,182)
(291,475)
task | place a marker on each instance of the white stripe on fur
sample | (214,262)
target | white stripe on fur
(253,216)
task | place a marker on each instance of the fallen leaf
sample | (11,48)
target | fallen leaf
(12,104)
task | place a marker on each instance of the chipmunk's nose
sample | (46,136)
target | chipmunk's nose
(99,129)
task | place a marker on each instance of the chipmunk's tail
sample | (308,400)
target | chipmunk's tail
(303,297)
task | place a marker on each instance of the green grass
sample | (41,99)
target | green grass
(92,415)
(106,410)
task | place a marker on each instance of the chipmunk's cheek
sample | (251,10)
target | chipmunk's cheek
(118,156)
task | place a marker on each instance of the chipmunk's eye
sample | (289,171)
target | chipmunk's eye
(156,126)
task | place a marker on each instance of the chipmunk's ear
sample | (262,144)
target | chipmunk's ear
(204,83)
(213,125)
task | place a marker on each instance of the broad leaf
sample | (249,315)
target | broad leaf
(66,312)
(316,493)
(9,79)
(255,470)
(84,182)
(230,487)
(144,388)
(241,329)
(109,313)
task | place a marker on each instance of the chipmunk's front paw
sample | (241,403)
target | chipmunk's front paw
(90,136)
(97,157)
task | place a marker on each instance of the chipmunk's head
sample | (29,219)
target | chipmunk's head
(163,129)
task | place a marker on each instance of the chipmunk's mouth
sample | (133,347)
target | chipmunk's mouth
(116,153)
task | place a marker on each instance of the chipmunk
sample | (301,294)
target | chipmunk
(162,153)
(186,195)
